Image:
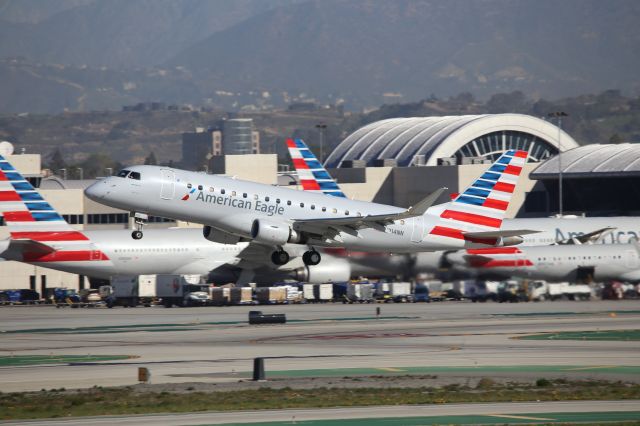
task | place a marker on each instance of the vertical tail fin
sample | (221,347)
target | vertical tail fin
(483,205)
(29,217)
(313,176)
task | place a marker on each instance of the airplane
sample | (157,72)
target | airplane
(553,230)
(233,210)
(574,263)
(40,236)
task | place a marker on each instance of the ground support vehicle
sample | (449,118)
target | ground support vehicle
(542,290)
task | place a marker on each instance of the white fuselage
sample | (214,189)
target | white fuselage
(233,205)
(598,262)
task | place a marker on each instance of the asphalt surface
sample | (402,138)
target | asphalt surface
(500,413)
(216,344)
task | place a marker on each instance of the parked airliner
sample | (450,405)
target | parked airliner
(236,210)
(40,236)
(581,262)
(559,231)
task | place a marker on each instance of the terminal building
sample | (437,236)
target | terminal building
(397,162)
(235,136)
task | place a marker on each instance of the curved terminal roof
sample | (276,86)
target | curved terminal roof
(423,140)
(620,160)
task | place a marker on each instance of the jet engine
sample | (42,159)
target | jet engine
(329,270)
(217,236)
(273,232)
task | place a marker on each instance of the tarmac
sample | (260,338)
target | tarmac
(43,347)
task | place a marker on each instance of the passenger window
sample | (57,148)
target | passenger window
(189,185)
(266,198)
(123,173)
(346,212)
(313,207)
(255,197)
(199,187)
(301,204)
(288,203)
(222,191)
(134,175)
(277,200)
(244,195)
(324,209)
(334,210)
(233,193)
(211,189)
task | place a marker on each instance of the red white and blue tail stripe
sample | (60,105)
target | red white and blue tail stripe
(497,257)
(30,218)
(482,206)
(313,176)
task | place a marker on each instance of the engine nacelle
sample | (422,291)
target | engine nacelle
(217,236)
(328,270)
(273,232)
(510,241)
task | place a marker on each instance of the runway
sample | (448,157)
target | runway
(216,345)
(498,413)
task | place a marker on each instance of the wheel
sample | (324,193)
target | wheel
(136,235)
(280,257)
(311,257)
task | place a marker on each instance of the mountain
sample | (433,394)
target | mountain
(90,54)
(417,47)
(115,33)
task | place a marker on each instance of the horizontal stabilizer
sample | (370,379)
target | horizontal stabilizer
(30,246)
(500,234)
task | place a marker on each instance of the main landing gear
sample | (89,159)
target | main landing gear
(280,257)
(139,219)
(311,258)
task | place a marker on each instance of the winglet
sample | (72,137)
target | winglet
(423,205)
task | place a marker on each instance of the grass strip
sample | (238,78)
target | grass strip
(20,360)
(616,418)
(607,335)
(118,401)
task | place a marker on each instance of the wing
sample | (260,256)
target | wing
(332,226)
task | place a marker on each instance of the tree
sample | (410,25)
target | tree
(56,161)
(616,138)
(151,160)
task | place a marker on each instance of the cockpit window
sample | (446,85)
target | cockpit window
(134,175)
(123,173)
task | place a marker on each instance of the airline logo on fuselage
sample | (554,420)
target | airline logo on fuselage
(239,203)
(614,237)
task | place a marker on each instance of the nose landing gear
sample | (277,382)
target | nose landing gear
(139,219)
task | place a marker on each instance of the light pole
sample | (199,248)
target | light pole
(64,173)
(322,127)
(559,115)
(81,172)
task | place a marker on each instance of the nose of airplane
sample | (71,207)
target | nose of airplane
(98,191)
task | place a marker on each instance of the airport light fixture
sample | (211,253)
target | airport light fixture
(558,115)
(322,127)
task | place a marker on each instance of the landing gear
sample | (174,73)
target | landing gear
(139,219)
(280,257)
(311,257)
